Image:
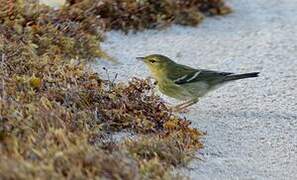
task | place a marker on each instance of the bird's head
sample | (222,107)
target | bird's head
(157,64)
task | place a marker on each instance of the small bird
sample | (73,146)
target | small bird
(185,83)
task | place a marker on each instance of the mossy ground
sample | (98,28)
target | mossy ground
(56,116)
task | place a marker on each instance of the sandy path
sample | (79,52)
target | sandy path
(251,124)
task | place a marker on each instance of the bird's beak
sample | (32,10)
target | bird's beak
(140,58)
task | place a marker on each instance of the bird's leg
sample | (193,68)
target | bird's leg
(182,104)
(192,102)
(186,104)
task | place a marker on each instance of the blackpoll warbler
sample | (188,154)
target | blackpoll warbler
(185,83)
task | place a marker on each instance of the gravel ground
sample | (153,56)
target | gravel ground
(53,3)
(251,124)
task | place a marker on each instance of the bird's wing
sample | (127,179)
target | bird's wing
(190,75)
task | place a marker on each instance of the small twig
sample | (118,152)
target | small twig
(2,69)
(106,71)
(97,115)
(111,83)
(114,79)
(2,59)
(3,90)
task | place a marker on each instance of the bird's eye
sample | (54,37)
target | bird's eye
(153,61)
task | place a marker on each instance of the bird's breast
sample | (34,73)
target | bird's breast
(173,90)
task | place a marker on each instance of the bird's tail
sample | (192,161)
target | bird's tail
(232,77)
